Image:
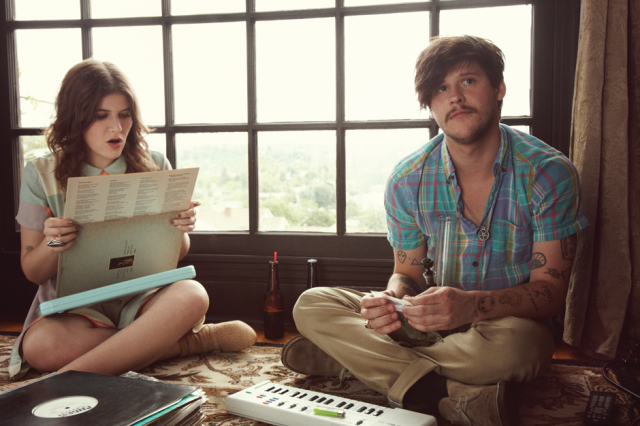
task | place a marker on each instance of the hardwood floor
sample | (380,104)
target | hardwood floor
(563,351)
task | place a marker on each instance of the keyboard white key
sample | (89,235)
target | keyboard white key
(288,406)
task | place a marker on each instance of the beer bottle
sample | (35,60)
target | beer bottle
(273,305)
(312,273)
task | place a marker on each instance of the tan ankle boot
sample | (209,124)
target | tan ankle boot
(479,405)
(229,336)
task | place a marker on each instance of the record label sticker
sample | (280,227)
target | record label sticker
(65,407)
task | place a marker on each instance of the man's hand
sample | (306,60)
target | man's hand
(441,308)
(380,313)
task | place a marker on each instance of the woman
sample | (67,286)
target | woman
(98,130)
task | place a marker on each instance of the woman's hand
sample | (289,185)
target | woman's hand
(186,220)
(59,233)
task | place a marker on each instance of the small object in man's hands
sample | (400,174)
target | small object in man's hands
(599,408)
(55,243)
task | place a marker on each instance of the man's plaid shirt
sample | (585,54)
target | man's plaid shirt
(535,197)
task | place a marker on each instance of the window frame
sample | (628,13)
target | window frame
(551,68)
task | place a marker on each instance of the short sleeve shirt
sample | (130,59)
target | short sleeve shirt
(535,197)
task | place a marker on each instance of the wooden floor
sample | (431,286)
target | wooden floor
(563,351)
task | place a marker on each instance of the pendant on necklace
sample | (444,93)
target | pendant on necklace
(483,234)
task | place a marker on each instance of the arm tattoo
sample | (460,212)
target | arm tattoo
(408,290)
(531,298)
(510,298)
(538,260)
(402,256)
(569,245)
(560,275)
(546,292)
(411,283)
(28,248)
(486,304)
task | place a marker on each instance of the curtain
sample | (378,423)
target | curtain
(603,304)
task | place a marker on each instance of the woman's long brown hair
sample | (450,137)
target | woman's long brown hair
(81,92)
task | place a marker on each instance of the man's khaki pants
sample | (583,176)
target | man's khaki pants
(512,349)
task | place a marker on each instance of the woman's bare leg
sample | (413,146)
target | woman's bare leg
(152,336)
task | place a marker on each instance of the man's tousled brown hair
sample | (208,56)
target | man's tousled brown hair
(445,53)
(81,91)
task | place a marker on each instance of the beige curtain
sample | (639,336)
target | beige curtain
(603,305)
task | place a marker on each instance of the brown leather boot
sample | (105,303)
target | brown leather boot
(304,357)
(229,336)
(479,405)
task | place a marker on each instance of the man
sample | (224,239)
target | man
(518,201)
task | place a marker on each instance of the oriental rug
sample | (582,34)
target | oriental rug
(557,397)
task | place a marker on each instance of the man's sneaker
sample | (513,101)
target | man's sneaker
(304,357)
(479,405)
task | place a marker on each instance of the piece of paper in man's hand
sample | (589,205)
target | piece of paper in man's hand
(430,337)
(398,303)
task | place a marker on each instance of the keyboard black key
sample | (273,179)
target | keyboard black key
(313,398)
(361,409)
(321,399)
(270,389)
(295,394)
(284,391)
(370,410)
(328,401)
(302,396)
(349,406)
(341,404)
(379,412)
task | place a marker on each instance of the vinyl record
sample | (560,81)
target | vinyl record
(81,399)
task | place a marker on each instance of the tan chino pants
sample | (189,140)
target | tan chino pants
(512,349)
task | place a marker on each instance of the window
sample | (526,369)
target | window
(294,111)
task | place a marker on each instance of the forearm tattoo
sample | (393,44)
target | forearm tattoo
(569,245)
(415,288)
(486,304)
(28,248)
(538,260)
(510,298)
(402,256)
(546,292)
(533,302)
(408,290)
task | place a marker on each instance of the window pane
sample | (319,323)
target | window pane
(297,181)
(296,76)
(513,36)
(371,155)
(101,9)
(44,10)
(210,88)
(143,67)
(196,7)
(157,142)
(269,5)
(381,52)
(33,147)
(223,182)
(42,65)
(523,129)
(370,2)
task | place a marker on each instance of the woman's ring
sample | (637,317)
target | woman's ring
(366,324)
(55,243)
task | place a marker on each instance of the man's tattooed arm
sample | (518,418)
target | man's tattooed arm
(28,248)
(410,286)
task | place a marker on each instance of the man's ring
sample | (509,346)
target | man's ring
(366,324)
(55,243)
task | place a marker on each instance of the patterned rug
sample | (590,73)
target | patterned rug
(558,397)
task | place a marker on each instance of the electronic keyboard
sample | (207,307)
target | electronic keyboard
(287,406)
(114,291)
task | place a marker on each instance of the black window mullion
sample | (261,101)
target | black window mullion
(87,43)
(341,179)
(169,100)
(254,201)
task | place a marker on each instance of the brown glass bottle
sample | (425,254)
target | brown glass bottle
(273,306)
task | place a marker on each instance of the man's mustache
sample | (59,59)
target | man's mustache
(453,111)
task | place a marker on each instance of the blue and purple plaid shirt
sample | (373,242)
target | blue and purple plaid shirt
(535,197)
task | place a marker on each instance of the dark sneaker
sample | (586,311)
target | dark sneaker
(479,405)
(304,357)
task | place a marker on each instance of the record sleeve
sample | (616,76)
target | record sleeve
(76,398)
